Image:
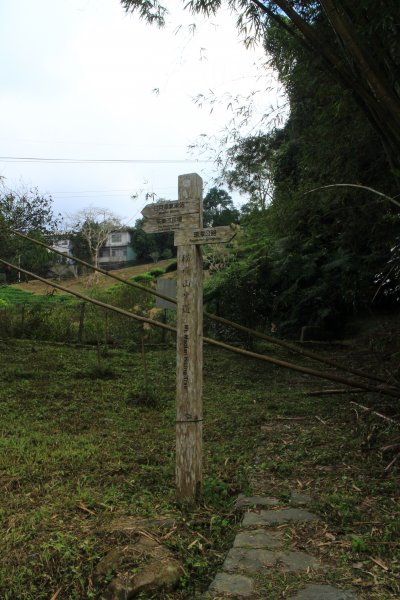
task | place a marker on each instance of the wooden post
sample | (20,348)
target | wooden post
(185,218)
(189,361)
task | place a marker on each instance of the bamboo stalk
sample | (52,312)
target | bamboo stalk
(90,266)
(294,348)
(263,357)
(120,311)
(333,392)
(284,344)
(374,412)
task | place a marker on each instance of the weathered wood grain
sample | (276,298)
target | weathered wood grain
(209,235)
(189,361)
(174,222)
(174,207)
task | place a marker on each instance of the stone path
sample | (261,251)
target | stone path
(260,548)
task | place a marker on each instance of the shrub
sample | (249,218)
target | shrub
(157,271)
(167,253)
(143,278)
(171,267)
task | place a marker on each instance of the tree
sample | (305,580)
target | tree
(29,212)
(248,170)
(91,228)
(148,245)
(219,209)
(361,50)
(313,256)
(144,244)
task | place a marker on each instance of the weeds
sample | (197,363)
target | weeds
(75,451)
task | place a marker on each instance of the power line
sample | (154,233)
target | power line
(131,191)
(93,191)
(75,195)
(31,159)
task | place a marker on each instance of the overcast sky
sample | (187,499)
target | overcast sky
(78,81)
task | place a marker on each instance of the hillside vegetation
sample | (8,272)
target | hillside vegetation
(83,282)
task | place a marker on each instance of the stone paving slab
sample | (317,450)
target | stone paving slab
(256,560)
(235,586)
(255,502)
(294,562)
(276,517)
(259,538)
(258,550)
(323,592)
(250,560)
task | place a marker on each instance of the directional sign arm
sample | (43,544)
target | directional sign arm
(163,223)
(171,208)
(209,235)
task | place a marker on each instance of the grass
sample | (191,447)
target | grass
(71,437)
(10,295)
(82,283)
(78,447)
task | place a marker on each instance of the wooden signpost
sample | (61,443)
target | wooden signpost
(185,218)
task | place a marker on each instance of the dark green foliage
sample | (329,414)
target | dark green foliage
(219,209)
(157,271)
(166,254)
(147,245)
(143,278)
(80,248)
(328,245)
(30,213)
(142,243)
(96,371)
(12,295)
(171,267)
(250,172)
(311,258)
(236,293)
(57,317)
(216,493)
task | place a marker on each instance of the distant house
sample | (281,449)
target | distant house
(62,267)
(63,243)
(117,251)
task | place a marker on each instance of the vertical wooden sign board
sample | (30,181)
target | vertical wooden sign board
(189,362)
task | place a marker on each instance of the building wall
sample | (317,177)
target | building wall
(117,250)
(65,246)
(118,238)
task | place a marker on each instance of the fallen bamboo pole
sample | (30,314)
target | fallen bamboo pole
(293,348)
(334,392)
(263,357)
(283,343)
(377,414)
(120,311)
